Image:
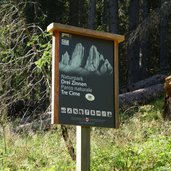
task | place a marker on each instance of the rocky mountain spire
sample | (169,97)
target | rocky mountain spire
(77,56)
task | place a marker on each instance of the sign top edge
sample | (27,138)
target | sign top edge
(85,32)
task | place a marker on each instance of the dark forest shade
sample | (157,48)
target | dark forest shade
(113,15)
(133,48)
(24,41)
(92,14)
(164,49)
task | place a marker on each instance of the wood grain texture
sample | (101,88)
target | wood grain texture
(55,77)
(85,32)
(116,84)
(83,148)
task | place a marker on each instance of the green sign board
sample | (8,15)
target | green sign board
(85,77)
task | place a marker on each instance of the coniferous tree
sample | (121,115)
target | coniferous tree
(92,14)
(164,51)
(113,11)
(74,12)
(133,48)
(144,43)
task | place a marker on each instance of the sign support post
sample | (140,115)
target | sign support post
(83,148)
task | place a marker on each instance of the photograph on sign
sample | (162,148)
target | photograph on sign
(86,81)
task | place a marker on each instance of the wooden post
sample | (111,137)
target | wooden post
(83,148)
(116,86)
(55,75)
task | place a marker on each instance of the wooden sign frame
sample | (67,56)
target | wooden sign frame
(56,29)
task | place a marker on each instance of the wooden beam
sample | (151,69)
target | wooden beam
(55,76)
(116,84)
(85,32)
(83,148)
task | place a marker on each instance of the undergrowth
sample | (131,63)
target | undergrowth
(143,142)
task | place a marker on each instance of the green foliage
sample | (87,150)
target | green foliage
(143,142)
(42,43)
(25,58)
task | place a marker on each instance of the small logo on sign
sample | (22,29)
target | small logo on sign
(87,119)
(90,97)
(65,42)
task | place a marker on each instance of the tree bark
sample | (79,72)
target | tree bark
(113,16)
(167,103)
(141,96)
(133,49)
(74,12)
(164,50)
(144,44)
(92,14)
(156,79)
(105,15)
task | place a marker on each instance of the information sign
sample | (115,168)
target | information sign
(85,77)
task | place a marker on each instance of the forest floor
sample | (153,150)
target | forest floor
(143,142)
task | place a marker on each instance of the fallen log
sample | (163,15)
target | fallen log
(155,79)
(141,96)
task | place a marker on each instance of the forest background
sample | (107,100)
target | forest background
(25,83)
(25,46)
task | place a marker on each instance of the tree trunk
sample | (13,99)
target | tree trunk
(141,96)
(155,79)
(133,49)
(113,16)
(92,14)
(144,44)
(164,50)
(82,13)
(74,12)
(167,104)
(105,15)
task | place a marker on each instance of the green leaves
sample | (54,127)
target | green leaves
(45,59)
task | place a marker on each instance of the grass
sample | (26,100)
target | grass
(143,142)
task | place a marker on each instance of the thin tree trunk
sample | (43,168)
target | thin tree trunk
(167,103)
(164,50)
(74,12)
(133,49)
(105,15)
(82,13)
(113,11)
(92,14)
(144,45)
